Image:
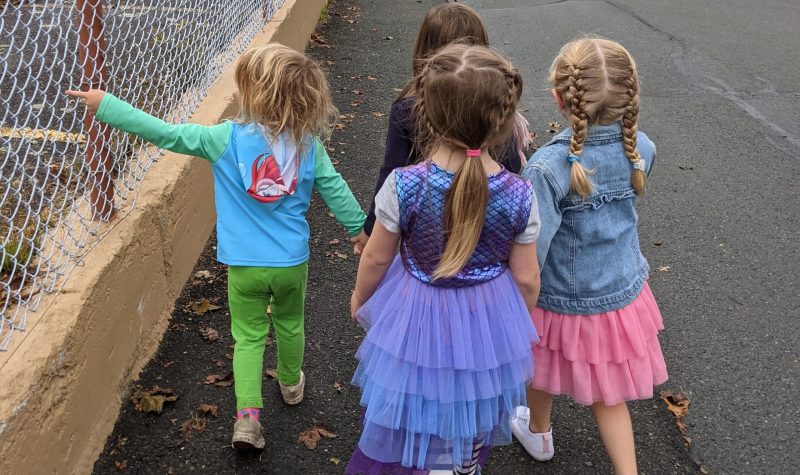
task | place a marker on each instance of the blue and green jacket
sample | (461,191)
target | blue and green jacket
(253,227)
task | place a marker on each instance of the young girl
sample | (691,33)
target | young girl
(446,356)
(265,167)
(443,24)
(597,318)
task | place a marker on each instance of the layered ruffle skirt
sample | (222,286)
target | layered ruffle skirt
(608,357)
(440,369)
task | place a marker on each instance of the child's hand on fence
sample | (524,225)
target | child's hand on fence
(91,99)
(359,242)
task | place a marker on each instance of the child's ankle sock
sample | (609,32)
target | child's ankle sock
(254,413)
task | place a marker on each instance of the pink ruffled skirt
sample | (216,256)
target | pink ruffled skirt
(608,357)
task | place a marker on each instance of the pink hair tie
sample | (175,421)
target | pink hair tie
(473,152)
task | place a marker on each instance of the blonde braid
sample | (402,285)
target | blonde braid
(630,124)
(579,121)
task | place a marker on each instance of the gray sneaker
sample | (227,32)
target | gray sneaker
(247,434)
(294,394)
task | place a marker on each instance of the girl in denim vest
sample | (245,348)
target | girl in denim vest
(447,353)
(597,318)
(265,168)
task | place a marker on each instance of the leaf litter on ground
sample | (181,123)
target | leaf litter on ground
(220,381)
(194,423)
(152,400)
(209,333)
(312,436)
(677,404)
(204,409)
(202,307)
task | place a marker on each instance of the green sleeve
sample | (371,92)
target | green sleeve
(337,195)
(208,142)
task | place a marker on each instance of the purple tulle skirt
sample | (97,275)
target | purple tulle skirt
(440,369)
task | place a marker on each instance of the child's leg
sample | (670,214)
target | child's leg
(470,467)
(540,404)
(248,298)
(288,287)
(614,424)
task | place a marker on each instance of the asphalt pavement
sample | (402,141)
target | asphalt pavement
(719,226)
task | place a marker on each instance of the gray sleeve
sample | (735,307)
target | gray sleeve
(531,232)
(387,205)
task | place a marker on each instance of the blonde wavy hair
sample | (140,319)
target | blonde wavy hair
(467,96)
(598,82)
(285,91)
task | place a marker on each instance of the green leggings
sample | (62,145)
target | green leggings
(250,291)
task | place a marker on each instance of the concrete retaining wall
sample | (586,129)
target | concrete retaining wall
(62,381)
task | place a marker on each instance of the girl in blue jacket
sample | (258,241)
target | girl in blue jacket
(596,316)
(265,166)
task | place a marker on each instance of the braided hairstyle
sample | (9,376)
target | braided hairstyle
(597,80)
(466,96)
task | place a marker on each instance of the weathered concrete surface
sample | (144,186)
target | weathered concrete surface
(65,377)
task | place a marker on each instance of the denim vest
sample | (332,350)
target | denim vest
(588,249)
(421,191)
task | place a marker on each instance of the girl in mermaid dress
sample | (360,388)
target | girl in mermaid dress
(447,353)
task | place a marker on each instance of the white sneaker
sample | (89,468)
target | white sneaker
(538,445)
(294,394)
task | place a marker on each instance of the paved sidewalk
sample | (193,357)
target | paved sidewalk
(366,47)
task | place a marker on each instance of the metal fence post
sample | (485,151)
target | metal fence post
(91,50)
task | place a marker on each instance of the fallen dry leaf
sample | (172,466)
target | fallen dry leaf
(178,327)
(337,387)
(121,465)
(209,333)
(677,404)
(208,409)
(335,460)
(203,274)
(152,400)
(664,269)
(271,373)
(194,423)
(334,242)
(357,92)
(229,356)
(379,114)
(225,382)
(204,306)
(168,364)
(312,436)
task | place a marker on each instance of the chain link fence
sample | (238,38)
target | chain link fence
(63,175)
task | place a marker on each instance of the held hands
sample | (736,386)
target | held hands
(91,99)
(359,242)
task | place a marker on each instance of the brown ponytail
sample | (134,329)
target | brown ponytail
(441,113)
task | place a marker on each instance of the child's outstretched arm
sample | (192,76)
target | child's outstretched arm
(208,142)
(375,261)
(525,270)
(337,195)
